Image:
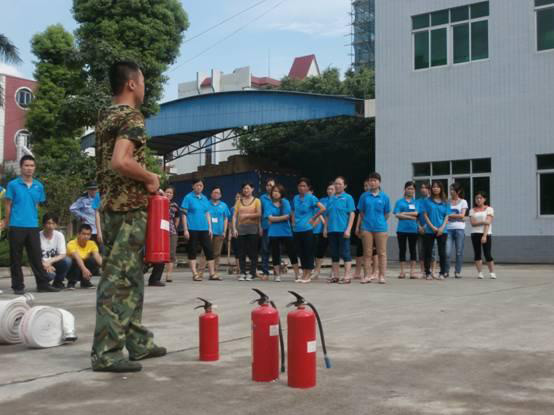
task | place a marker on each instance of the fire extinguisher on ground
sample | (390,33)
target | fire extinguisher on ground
(267,335)
(208,325)
(302,344)
(157,230)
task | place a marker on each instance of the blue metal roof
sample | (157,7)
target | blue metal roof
(186,120)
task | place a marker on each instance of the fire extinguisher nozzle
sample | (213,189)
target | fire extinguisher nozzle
(327,363)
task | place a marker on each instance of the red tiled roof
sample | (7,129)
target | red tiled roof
(265,81)
(206,82)
(301,67)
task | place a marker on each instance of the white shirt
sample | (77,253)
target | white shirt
(457,209)
(53,247)
(481,217)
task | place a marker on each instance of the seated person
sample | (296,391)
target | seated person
(85,258)
(52,246)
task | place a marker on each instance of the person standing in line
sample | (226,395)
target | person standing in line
(265,199)
(481,217)
(84,211)
(21,201)
(425,191)
(52,245)
(405,210)
(360,268)
(456,229)
(124,184)
(232,240)
(374,208)
(436,212)
(303,218)
(278,215)
(322,242)
(197,224)
(338,229)
(246,227)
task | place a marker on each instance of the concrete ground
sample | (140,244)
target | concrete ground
(408,347)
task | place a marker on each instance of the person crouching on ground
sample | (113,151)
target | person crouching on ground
(52,245)
(85,258)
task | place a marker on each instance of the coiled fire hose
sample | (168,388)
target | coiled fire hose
(11,314)
(43,327)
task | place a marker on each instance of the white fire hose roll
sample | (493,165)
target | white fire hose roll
(11,314)
(43,327)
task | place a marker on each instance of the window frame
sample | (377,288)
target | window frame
(536,9)
(429,45)
(23,89)
(538,181)
(469,22)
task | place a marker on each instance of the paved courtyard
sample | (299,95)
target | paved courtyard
(408,347)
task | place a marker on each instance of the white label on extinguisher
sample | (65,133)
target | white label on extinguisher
(312,346)
(274,330)
(164,225)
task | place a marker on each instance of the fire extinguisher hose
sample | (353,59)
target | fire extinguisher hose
(324,347)
(281,340)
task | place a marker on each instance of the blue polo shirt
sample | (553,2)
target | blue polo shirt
(279,229)
(338,212)
(25,200)
(219,213)
(436,212)
(374,208)
(265,200)
(304,209)
(196,207)
(318,228)
(406,225)
(420,205)
(96,201)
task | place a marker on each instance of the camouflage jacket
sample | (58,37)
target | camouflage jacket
(119,193)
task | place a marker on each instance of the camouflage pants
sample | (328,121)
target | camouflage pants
(120,292)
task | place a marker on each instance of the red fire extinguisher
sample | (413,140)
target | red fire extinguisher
(157,230)
(266,337)
(302,344)
(208,324)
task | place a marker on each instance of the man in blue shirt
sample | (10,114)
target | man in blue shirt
(266,202)
(22,198)
(83,209)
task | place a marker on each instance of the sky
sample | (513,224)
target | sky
(267,37)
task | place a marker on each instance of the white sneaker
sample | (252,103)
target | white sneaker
(480,276)
(249,278)
(277,279)
(493,276)
(242,278)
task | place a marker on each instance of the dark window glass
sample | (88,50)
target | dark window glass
(479,9)
(545,29)
(547,193)
(545,161)
(420,21)
(539,3)
(421,50)
(438,47)
(461,167)
(480,40)
(24,98)
(461,43)
(422,169)
(458,14)
(441,168)
(466,185)
(482,184)
(418,184)
(440,17)
(481,165)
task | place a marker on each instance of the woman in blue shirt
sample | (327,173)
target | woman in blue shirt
(405,210)
(305,210)
(321,242)
(278,214)
(435,211)
(340,217)
(374,208)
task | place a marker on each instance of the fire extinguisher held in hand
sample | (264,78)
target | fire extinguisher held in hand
(302,344)
(157,230)
(208,325)
(266,337)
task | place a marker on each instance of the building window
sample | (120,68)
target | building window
(209,147)
(24,136)
(545,177)
(545,24)
(23,97)
(473,175)
(468,27)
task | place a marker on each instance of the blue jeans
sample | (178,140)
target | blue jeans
(62,268)
(456,238)
(265,252)
(340,247)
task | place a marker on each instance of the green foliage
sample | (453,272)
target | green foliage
(8,54)
(324,149)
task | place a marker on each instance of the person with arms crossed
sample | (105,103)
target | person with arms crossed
(52,244)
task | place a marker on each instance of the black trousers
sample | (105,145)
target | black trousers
(320,245)
(304,242)
(411,240)
(75,274)
(476,242)
(428,240)
(30,239)
(157,272)
(248,246)
(201,238)
(275,243)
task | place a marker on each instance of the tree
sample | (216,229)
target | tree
(8,54)
(324,149)
(146,31)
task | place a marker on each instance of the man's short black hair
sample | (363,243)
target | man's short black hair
(85,227)
(25,158)
(48,216)
(120,73)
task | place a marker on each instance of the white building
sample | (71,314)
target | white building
(465,92)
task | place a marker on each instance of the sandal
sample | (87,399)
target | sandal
(345,281)
(382,281)
(197,277)
(215,277)
(306,281)
(365,280)
(168,280)
(332,280)
(414,277)
(402,276)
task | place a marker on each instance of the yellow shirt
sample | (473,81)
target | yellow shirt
(253,207)
(84,252)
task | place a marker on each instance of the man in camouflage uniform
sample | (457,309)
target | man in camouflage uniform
(124,185)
